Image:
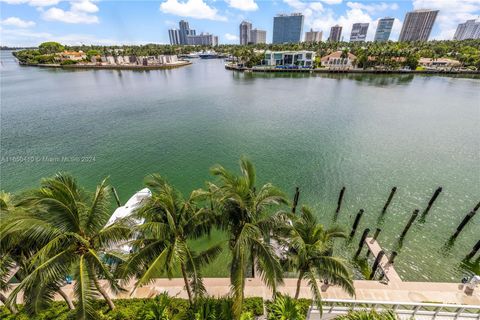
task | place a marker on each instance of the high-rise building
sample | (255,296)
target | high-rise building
(384,28)
(287,28)
(185,31)
(174,36)
(203,39)
(468,30)
(313,36)
(258,36)
(335,33)
(245,30)
(359,32)
(418,25)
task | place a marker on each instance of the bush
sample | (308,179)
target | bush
(285,308)
(130,309)
(68,62)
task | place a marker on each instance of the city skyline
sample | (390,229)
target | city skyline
(30,22)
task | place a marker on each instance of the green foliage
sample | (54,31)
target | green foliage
(369,54)
(285,308)
(50,47)
(130,309)
(68,62)
(369,315)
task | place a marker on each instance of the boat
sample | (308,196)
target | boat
(134,203)
(208,55)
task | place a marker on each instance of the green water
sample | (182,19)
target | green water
(367,132)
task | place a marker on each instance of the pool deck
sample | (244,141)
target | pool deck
(393,290)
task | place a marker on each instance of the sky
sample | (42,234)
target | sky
(107,22)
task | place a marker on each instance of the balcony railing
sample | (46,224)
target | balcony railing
(405,310)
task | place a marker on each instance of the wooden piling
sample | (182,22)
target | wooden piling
(409,223)
(432,200)
(376,264)
(295,199)
(117,199)
(375,235)
(362,240)
(356,222)
(340,198)
(392,193)
(476,207)
(463,223)
(392,257)
(472,253)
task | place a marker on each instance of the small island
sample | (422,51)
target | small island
(53,54)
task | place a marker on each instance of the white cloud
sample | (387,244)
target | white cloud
(191,8)
(373,7)
(231,37)
(30,38)
(245,5)
(34,3)
(17,22)
(79,12)
(84,6)
(332,1)
(452,12)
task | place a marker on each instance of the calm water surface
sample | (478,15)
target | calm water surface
(368,133)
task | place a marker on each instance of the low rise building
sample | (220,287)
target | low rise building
(338,60)
(439,63)
(289,58)
(71,55)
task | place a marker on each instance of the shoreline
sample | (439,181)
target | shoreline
(111,67)
(349,71)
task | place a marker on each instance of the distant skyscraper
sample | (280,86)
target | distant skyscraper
(245,29)
(359,32)
(468,30)
(258,36)
(384,28)
(174,36)
(203,39)
(313,36)
(418,25)
(287,28)
(335,33)
(185,31)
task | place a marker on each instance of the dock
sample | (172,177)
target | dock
(387,268)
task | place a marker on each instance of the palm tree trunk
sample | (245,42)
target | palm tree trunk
(253,265)
(67,299)
(299,284)
(10,307)
(187,284)
(103,292)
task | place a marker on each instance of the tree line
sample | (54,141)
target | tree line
(369,54)
(60,231)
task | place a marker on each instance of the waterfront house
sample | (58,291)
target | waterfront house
(289,58)
(71,55)
(338,60)
(439,63)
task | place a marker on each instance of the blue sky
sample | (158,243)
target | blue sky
(30,22)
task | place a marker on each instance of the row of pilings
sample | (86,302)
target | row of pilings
(412,219)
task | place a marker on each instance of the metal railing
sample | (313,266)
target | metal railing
(403,309)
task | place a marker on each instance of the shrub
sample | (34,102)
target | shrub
(285,308)
(68,62)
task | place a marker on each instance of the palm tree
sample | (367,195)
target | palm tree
(161,245)
(242,213)
(310,254)
(71,223)
(15,251)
